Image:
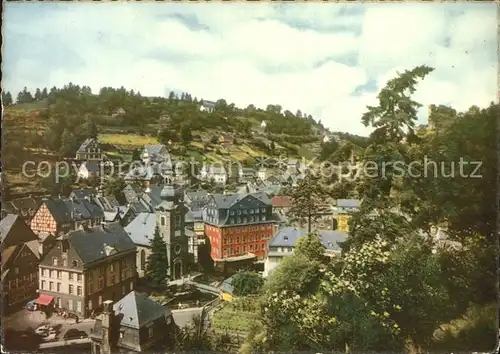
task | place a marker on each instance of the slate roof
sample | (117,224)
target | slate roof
(193,216)
(196,199)
(141,229)
(90,244)
(153,149)
(288,236)
(140,207)
(91,166)
(26,203)
(83,193)
(348,203)
(85,144)
(6,225)
(137,310)
(227,286)
(225,201)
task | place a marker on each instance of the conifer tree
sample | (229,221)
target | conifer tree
(158,262)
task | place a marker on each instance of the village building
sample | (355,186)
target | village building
(20,258)
(283,244)
(282,204)
(59,216)
(89,150)
(25,207)
(118,112)
(134,324)
(207,106)
(238,227)
(89,169)
(196,200)
(217,174)
(262,173)
(155,153)
(342,213)
(86,268)
(169,218)
(246,174)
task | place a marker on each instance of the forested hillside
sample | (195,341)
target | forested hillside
(52,123)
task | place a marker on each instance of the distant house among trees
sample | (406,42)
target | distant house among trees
(118,112)
(89,150)
(207,106)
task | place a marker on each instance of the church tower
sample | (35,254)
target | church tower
(170,221)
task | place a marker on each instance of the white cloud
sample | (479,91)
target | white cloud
(253,53)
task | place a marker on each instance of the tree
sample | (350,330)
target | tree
(246,283)
(310,246)
(307,195)
(186,135)
(38,95)
(136,155)
(7,98)
(44,93)
(114,187)
(157,265)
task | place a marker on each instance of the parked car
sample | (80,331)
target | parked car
(31,306)
(75,334)
(50,337)
(42,330)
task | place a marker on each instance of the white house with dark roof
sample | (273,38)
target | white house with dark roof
(89,169)
(283,244)
(207,106)
(216,173)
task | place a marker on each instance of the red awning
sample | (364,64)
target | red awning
(44,300)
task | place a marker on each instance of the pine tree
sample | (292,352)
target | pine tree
(158,261)
(6,98)
(44,93)
(38,95)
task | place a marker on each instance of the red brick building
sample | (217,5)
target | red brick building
(239,225)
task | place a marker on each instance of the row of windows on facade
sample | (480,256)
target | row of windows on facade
(212,212)
(236,240)
(58,274)
(240,220)
(74,263)
(16,283)
(90,288)
(233,251)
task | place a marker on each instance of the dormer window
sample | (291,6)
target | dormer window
(74,264)
(54,261)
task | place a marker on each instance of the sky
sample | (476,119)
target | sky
(328,60)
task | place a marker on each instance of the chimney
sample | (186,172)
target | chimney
(106,324)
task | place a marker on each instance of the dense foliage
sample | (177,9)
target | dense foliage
(157,263)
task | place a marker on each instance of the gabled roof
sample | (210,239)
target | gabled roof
(141,229)
(26,203)
(86,144)
(137,310)
(93,243)
(14,231)
(288,236)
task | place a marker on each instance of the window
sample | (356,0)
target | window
(262,210)
(123,289)
(65,262)
(100,300)
(163,220)
(59,274)
(70,304)
(79,306)
(121,334)
(101,284)
(75,264)
(112,267)
(90,304)
(79,278)
(100,271)
(44,285)
(244,249)
(89,275)
(51,273)
(70,276)
(150,332)
(70,289)
(58,287)
(79,290)
(43,272)
(54,261)
(59,302)
(131,286)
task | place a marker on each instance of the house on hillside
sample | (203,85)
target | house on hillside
(134,324)
(262,173)
(246,174)
(86,268)
(89,169)
(217,174)
(226,140)
(343,211)
(89,150)
(24,207)
(207,106)
(283,244)
(155,153)
(282,204)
